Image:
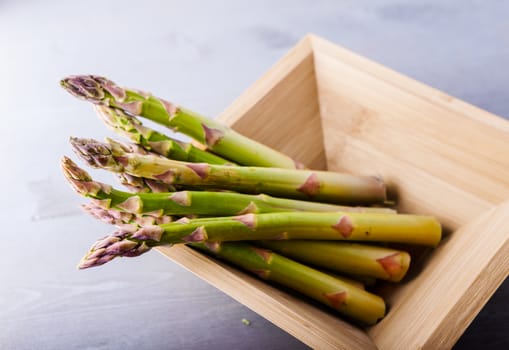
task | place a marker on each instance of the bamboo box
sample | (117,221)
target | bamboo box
(332,109)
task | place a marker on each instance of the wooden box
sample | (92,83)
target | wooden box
(332,109)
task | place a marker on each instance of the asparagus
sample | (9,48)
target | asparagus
(376,227)
(190,202)
(367,281)
(112,246)
(344,297)
(153,140)
(334,292)
(219,138)
(352,258)
(120,218)
(364,263)
(300,184)
(139,184)
(349,280)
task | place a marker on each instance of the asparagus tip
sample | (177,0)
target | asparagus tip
(99,154)
(85,87)
(115,245)
(80,180)
(93,88)
(73,171)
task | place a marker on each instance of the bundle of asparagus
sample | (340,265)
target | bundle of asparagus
(240,201)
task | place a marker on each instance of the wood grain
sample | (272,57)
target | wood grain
(298,317)
(331,108)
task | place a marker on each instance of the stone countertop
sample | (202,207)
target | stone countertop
(204,55)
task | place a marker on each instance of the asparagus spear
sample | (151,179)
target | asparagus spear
(334,292)
(191,202)
(301,184)
(219,138)
(139,184)
(153,140)
(376,227)
(352,258)
(120,218)
(113,246)
(350,280)
(348,299)
(349,258)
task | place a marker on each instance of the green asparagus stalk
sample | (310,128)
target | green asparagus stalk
(334,292)
(337,292)
(191,202)
(345,298)
(352,258)
(119,218)
(217,137)
(367,281)
(139,184)
(349,279)
(153,140)
(300,184)
(411,229)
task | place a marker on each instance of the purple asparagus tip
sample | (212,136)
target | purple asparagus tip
(110,216)
(115,245)
(73,171)
(93,88)
(86,87)
(80,180)
(96,154)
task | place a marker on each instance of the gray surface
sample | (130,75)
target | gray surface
(202,55)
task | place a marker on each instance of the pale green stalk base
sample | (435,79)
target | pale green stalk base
(351,258)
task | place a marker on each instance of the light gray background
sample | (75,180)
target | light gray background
(202,55)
